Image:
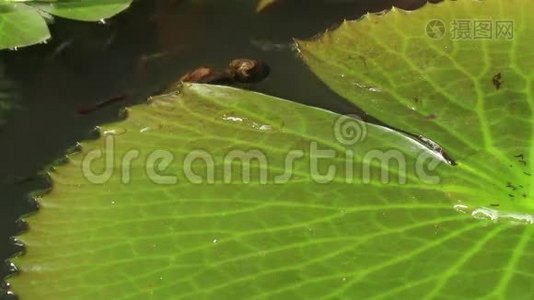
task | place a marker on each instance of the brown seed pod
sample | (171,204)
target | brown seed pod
(246,70)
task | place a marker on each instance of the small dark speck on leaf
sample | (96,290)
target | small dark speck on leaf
(364,61)
(526,173)
(510,195)
(521,159)
(494,205)
(102,104)
(510,185)
(497,81)
(431,117)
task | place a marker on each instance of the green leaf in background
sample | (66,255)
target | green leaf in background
(367,213)
(474,96)
(22,24)
(85,10)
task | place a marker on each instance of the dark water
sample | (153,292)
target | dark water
(136,54)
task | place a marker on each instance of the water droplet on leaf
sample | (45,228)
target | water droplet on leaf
(247,122)
(115,131)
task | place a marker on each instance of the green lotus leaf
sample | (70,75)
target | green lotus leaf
(115,228)
(436,73)
(84,10)
(21,25)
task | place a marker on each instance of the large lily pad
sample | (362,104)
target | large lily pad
(473,96)
(392,221)
(136,234)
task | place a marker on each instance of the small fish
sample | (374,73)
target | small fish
(101,104)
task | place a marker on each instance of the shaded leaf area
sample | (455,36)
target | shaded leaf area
(474,97)
(23,24)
